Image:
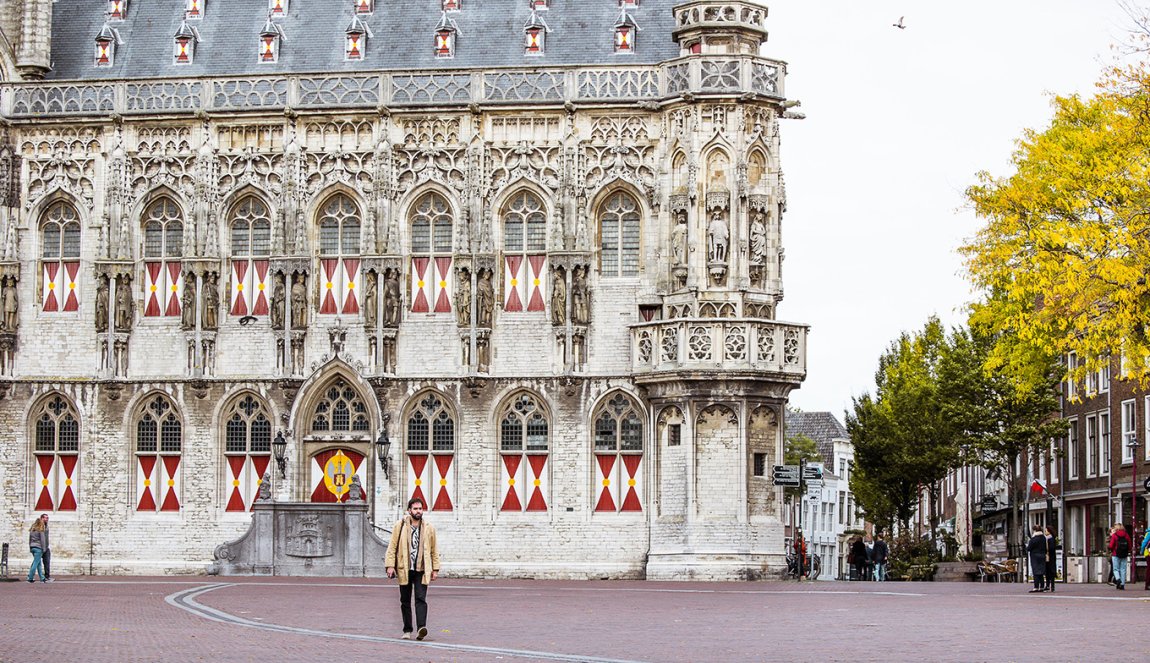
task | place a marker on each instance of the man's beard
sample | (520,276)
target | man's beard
(417,516)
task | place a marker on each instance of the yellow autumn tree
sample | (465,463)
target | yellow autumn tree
(1064,258)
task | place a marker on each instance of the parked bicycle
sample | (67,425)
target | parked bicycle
(811,569)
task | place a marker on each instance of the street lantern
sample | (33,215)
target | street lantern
(383,446)
(279,448)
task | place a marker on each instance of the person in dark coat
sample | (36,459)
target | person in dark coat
(858,557)
(1036,550)
(881,556)
(1051,559)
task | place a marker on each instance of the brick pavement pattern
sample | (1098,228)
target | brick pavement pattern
(119,620)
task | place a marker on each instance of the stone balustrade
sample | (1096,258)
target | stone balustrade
(710,344)
(692,75)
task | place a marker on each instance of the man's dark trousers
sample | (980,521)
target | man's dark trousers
(414,580)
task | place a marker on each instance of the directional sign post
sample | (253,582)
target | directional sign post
(812,472)
(786,475)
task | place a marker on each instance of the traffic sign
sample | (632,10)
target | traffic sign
(787,470)
(812,472)
(789,483)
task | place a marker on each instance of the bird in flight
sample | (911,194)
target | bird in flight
(900,25)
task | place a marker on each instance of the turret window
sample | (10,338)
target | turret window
(117,9)
(277,8)
(195,9)
(364,6)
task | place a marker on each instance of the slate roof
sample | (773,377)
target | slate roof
(490,35)
(822,427)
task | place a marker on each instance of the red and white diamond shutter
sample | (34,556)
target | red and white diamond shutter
(537,282)
(619,482)
(421,290)
(513,284)
(525,482)
(443,473)
(618,448)
(241,287)
(418,475)
(245,474)
(443,285)
(60,253)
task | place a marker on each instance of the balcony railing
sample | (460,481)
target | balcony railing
(709,344)
(697,75)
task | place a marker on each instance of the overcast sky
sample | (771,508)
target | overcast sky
(898,123)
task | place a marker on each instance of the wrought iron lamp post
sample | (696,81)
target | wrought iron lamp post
(279,448)
(383,446)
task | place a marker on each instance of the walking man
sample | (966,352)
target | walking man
(1119,552)
(413,558)
(1036,549)
(881,555)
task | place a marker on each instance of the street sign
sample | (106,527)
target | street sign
(786,475)
(989,503)
(812,472)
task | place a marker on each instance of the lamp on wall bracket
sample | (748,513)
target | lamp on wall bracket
(279,449)
(383,446)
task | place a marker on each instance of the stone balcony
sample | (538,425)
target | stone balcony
(729,346)
(683,77)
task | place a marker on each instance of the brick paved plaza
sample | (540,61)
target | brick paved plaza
(306,619)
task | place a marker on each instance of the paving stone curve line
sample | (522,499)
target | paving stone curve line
(186,600)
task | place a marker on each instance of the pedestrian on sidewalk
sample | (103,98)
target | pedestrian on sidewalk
(1145,550)
(1110,572)
(38,545)
(1051,559)
(858,557)
(413,558)
(1120,548)
(869,573)
(1036,550)
(881,556)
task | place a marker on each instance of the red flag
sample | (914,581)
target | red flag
(1037,487)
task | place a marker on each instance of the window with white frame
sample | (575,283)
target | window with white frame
(1104,443)
(60,252)
(163,250)
(159,444)
(619,455)
(1054,460)
(57,449)
(1091,383)
(247,449)
(1104,375)
(1091,446)
(1072,446)
(1071,381)
(524,450)
(339,257)
(1129,408)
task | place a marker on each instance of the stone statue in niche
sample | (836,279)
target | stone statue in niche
(188,303)
(102,304)
(11,303)
(679,240)
(463,297)
(558,297)
(370,301)
(297,356)
(355,490)
(718,235)
(120,351)
(298,303)
(758,235)
(580,306)
(391,299)
(209,320)
(484,299)
(125,308)
(265,487)
(278,301)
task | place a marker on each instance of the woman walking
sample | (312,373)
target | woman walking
(1036,548)
(38,543)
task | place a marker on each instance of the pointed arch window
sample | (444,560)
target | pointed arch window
(57,452)
(163,249)
(619,232)
(524,253)
(339,229)
(60,258)
(251,231)
(431,452)
(247,449)
(431,254)
(618,451)
(340,410)
(159,441)
(524,449)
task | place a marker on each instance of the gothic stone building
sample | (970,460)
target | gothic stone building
(532,244)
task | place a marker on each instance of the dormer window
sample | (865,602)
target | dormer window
(105,47)
(117,9)
(185,44)
(540,5)
(194,9)
(277,8)
(452,5)
(270,38)
(534,35)
(356,42)
(625,30)
(445,34)
(364,6)
(628,4)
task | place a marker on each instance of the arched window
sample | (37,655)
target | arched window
(247,449)
(341,409)
(618,454)
(524,253)
(60,258)
(431,232)
(339,226)
(57,449)
(431,452)
(251,234)
(159,444)
(163,248)
(524,445)
(619,235)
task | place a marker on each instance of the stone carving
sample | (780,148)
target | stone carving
(355,490)
(279,300)
(211,302)
(370,301)
(558,297)
(298,303)
(718,235)
(188,303)
(463,297)
(11,303)
(125,307)
(580,297)
(297,355)
(679,240)
(758,234)
(307,538)
(391,299)
(120,356)
(102,303)
(265,487)
(484,300)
